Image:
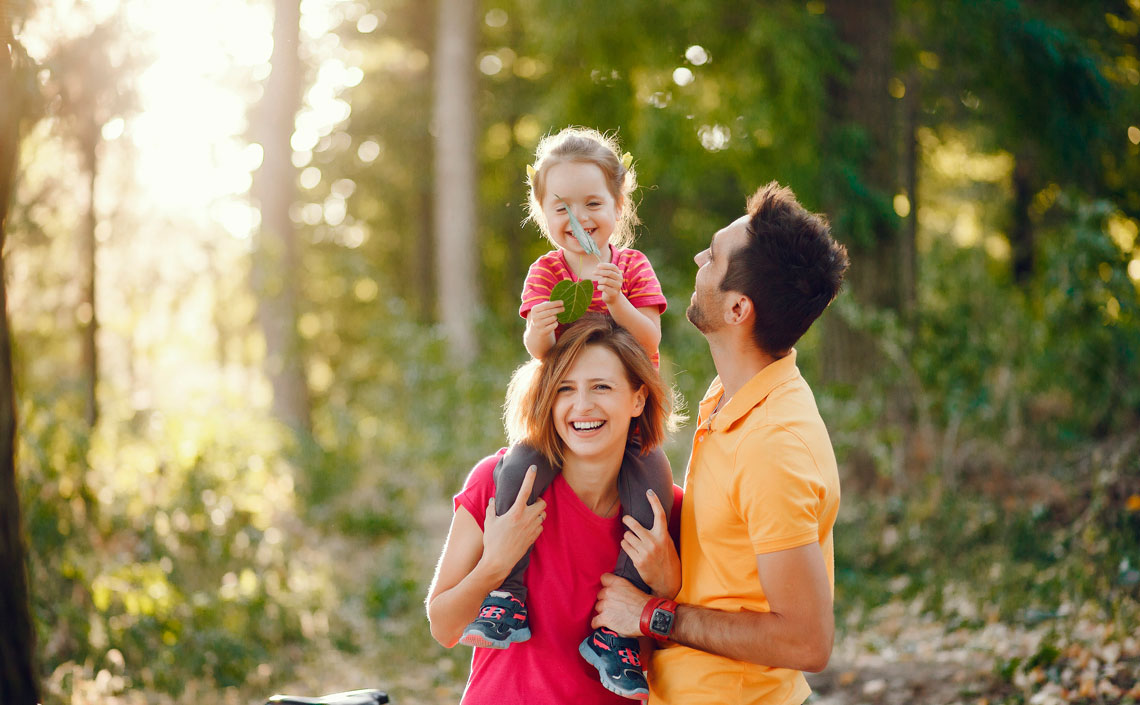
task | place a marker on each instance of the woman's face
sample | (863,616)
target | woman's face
(594,404)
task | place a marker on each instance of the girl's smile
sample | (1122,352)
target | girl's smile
(581,186)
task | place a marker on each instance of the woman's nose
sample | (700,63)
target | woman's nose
(582,400)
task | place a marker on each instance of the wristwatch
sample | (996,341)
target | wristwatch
(658,618)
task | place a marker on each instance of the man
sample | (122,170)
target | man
(762,489)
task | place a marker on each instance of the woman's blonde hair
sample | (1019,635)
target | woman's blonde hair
(529,412)
(588,146)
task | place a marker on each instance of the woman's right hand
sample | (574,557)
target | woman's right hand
(507,538)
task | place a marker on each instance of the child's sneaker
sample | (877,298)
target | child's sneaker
(501,622)
(618,660)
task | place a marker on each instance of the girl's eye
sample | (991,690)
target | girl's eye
(560,209)
(594,204)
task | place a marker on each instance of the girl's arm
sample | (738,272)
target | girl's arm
(644,323)
(475,562)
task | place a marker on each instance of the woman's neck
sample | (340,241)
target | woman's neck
(594,481)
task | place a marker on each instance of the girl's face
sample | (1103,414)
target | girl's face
(594,405)
(582,186)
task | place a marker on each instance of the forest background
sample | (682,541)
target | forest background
(261,271)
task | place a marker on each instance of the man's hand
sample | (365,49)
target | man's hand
(619,606)
(652,551)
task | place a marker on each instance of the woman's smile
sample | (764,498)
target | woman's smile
(595,404)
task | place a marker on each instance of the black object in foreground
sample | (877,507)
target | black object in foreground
(351,697)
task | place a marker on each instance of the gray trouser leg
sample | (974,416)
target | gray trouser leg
(509,475)
(638,474)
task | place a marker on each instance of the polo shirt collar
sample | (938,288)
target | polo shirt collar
(754,391)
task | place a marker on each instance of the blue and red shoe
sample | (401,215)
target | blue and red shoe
(501,622)
(618,660)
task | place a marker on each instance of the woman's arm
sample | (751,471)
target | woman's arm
(475,562)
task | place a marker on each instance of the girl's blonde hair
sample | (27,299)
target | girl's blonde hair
(534,386)
(588,146)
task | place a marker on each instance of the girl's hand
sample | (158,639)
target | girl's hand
(506,538)
(652,551)
(543,317)
(541,322)
(608,278)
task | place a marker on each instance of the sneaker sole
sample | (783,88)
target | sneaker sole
(480,640)
(595,661)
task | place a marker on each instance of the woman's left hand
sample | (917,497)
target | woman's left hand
(652,551)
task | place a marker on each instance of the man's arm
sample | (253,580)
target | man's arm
(797,633)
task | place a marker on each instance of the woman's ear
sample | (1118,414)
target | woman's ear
(639,402)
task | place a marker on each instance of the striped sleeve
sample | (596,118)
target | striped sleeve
(639,282)
(540,280)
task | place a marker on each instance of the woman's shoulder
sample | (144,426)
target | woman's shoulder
(484,472)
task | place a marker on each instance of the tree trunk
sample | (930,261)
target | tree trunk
(457,254)
(863,101)
(275,270)
(18,682)
(89,320)
(1021,239)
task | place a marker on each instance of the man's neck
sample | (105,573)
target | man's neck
(736,361)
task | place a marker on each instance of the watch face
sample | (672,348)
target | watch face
(662,622)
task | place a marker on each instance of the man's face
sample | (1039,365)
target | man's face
(706,307)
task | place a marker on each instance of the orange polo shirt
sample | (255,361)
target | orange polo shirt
(761,478)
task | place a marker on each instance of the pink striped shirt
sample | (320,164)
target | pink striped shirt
(638,283)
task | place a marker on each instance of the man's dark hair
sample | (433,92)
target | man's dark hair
(790,267)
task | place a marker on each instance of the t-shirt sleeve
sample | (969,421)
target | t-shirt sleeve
(540,281)
(640,283)
(777,490)
(479,488)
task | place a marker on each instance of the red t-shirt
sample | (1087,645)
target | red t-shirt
(574,549)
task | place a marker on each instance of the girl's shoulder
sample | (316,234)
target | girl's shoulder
(551,261)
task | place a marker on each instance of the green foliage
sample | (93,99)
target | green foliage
(575,297)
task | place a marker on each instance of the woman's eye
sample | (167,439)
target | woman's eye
(602,387)
(563,389)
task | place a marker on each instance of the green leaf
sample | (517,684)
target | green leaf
(575,296)
(584,240)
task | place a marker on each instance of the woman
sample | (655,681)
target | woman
(580,406)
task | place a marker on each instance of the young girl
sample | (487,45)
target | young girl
(580,170)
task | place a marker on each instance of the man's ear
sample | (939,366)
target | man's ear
(740,311)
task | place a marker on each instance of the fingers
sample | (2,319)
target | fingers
(527,486)
(659,519)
